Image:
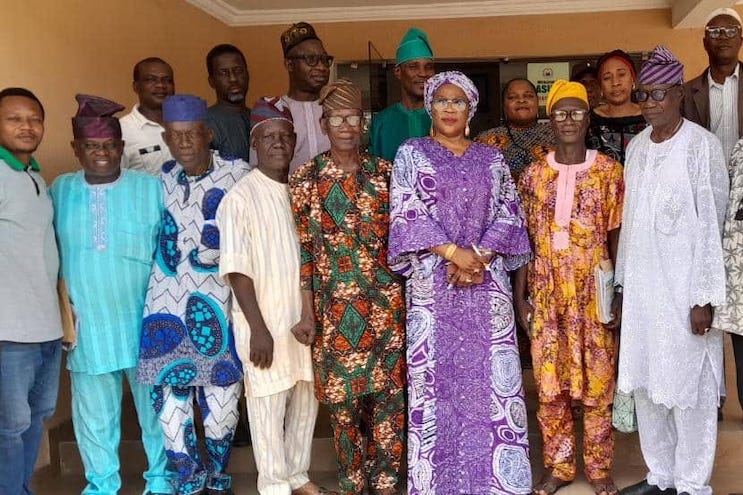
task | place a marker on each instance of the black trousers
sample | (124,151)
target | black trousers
(738,353)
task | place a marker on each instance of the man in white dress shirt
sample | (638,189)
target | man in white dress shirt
(144,147)
(714,100)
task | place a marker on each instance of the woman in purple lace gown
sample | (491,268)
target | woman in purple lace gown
(456,229)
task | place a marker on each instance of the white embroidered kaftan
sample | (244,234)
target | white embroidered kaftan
(670,259)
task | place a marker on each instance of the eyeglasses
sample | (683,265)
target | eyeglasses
(715,32)
(92,147)
(575,115)
(459,104)
(338,120)
(641,96)
(313,60)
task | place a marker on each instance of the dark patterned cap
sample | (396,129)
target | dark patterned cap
(296,34)
(661,68)
(269,108)
(340,94)
(94,118)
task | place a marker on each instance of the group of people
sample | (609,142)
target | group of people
(203,253)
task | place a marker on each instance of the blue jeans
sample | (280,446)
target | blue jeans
(29,382)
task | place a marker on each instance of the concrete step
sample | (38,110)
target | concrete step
(242,461)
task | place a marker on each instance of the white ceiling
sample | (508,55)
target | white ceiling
(685,13)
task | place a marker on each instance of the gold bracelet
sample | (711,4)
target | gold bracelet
(450,251)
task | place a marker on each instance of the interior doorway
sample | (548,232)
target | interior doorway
(380,87)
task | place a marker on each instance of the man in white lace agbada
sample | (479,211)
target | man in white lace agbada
(670,274)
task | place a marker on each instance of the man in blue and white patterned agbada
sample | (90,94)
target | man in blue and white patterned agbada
(187,347)
(669,275)
(106,260)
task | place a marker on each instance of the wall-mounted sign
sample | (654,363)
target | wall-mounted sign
(542,75)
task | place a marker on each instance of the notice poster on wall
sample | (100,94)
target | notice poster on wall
(542,75)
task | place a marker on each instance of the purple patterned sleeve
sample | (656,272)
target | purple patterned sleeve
(413,229)
(506,234)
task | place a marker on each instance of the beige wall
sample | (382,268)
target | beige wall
(525,36)
(59,48)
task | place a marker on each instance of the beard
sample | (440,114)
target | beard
(236,98)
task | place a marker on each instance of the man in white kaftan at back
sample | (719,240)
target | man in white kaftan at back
(670,273)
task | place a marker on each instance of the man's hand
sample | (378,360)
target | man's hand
(616,313)
(304,331)
(261,348)
(701,319)
(524,313)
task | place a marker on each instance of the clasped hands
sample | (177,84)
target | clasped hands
(466,267)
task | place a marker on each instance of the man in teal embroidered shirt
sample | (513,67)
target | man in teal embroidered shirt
(107,220)
(407,118)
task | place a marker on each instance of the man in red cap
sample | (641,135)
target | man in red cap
(107,258)
(259,257)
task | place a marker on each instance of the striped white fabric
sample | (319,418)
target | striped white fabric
(258,240)
(281,427)
(723,111)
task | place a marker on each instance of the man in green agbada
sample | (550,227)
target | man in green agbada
(407,118)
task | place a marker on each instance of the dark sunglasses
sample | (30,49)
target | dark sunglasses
(575,115)
(642,96)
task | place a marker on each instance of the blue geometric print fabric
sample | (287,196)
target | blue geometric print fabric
(218,407)
(168,255)
(187,335)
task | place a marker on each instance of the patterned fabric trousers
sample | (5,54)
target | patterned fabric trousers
(281,426)
(218,406)
(385,445)
(679,445)
(558,436)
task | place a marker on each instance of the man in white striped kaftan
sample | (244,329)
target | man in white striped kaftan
(260,259)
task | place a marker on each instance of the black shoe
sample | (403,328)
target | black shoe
(242,436)
(644,488)
(242,433)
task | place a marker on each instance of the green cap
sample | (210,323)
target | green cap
(414,45)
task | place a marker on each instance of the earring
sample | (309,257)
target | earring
(467,131)
(432,131)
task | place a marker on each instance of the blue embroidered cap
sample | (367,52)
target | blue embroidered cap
(183,108)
